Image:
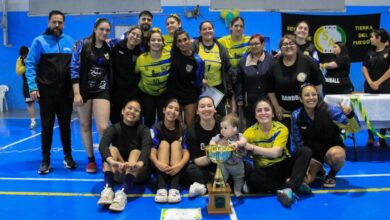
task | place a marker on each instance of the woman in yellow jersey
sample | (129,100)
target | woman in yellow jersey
(173,23)
(275,170)
(154,69)
(216,60)
(237,45)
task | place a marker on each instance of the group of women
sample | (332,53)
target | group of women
(132,84)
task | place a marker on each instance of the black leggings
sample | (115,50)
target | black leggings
(272,178)
(202,175)
(163,178)
(150,106)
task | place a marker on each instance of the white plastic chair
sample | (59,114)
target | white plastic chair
(3,90)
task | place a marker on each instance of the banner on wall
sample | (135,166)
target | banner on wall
(353,30)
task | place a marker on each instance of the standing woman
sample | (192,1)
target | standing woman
(90,72)
(217,62)
(200,171)
(167,153)
(187,72)
(21,71)
(376,71)
(125,148)
(154,69)
(236,44)
(285,77)
(316,126)
(307,48)
(337,67)
(251,77)
(172,23)
(124,85)
(275,169)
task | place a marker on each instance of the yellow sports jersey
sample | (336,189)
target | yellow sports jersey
(213,64)
(277,137)
(154,73)
(168,40)
(20,68)
(235,49)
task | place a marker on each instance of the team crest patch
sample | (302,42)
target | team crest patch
(134,58)
(301,77)
(189,68)
(306,53)
(385,55)
(107,56)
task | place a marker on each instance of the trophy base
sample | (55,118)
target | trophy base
(219,200)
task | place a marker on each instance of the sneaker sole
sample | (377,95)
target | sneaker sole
(284,199)
(104,202)
(45,171)
(67,166)
(116,209)
(90,171)
(329,185)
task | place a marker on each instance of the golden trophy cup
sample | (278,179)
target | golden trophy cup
(219,191)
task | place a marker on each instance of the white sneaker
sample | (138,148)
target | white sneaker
(33,125)
(174,196)
(161,196)
(197,189)
(106,196)
(119,202)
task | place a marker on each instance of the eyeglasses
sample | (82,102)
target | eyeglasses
(254,44)
(104,29)
(137,36)
(291,44)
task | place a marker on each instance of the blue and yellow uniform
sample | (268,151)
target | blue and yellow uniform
(235,49)
(168,40)
(154,73)
(277,137)
(213,64)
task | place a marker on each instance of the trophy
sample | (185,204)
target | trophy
(219,191)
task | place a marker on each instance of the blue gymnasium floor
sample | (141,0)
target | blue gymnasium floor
(362,191)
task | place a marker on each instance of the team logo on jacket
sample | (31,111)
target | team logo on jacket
(301,77)
(385,55)
(107,56)
(189,68)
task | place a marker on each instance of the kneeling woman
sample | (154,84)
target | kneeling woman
(314,126)
(274,168)
(167,154)
(127,158)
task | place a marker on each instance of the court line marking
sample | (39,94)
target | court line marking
(99,180)
(65,194)
(29,137)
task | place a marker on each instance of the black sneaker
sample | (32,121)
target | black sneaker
(330,181)
(69,163)
(44,168)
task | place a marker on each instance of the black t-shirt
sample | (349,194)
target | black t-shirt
(126,138)
(98,70)
(337,80)
(196,138)
(286,82)
(307,49)
(377,63)
(183,78)
(162,133)
(123,66)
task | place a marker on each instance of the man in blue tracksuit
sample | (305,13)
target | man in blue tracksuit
(47,72)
